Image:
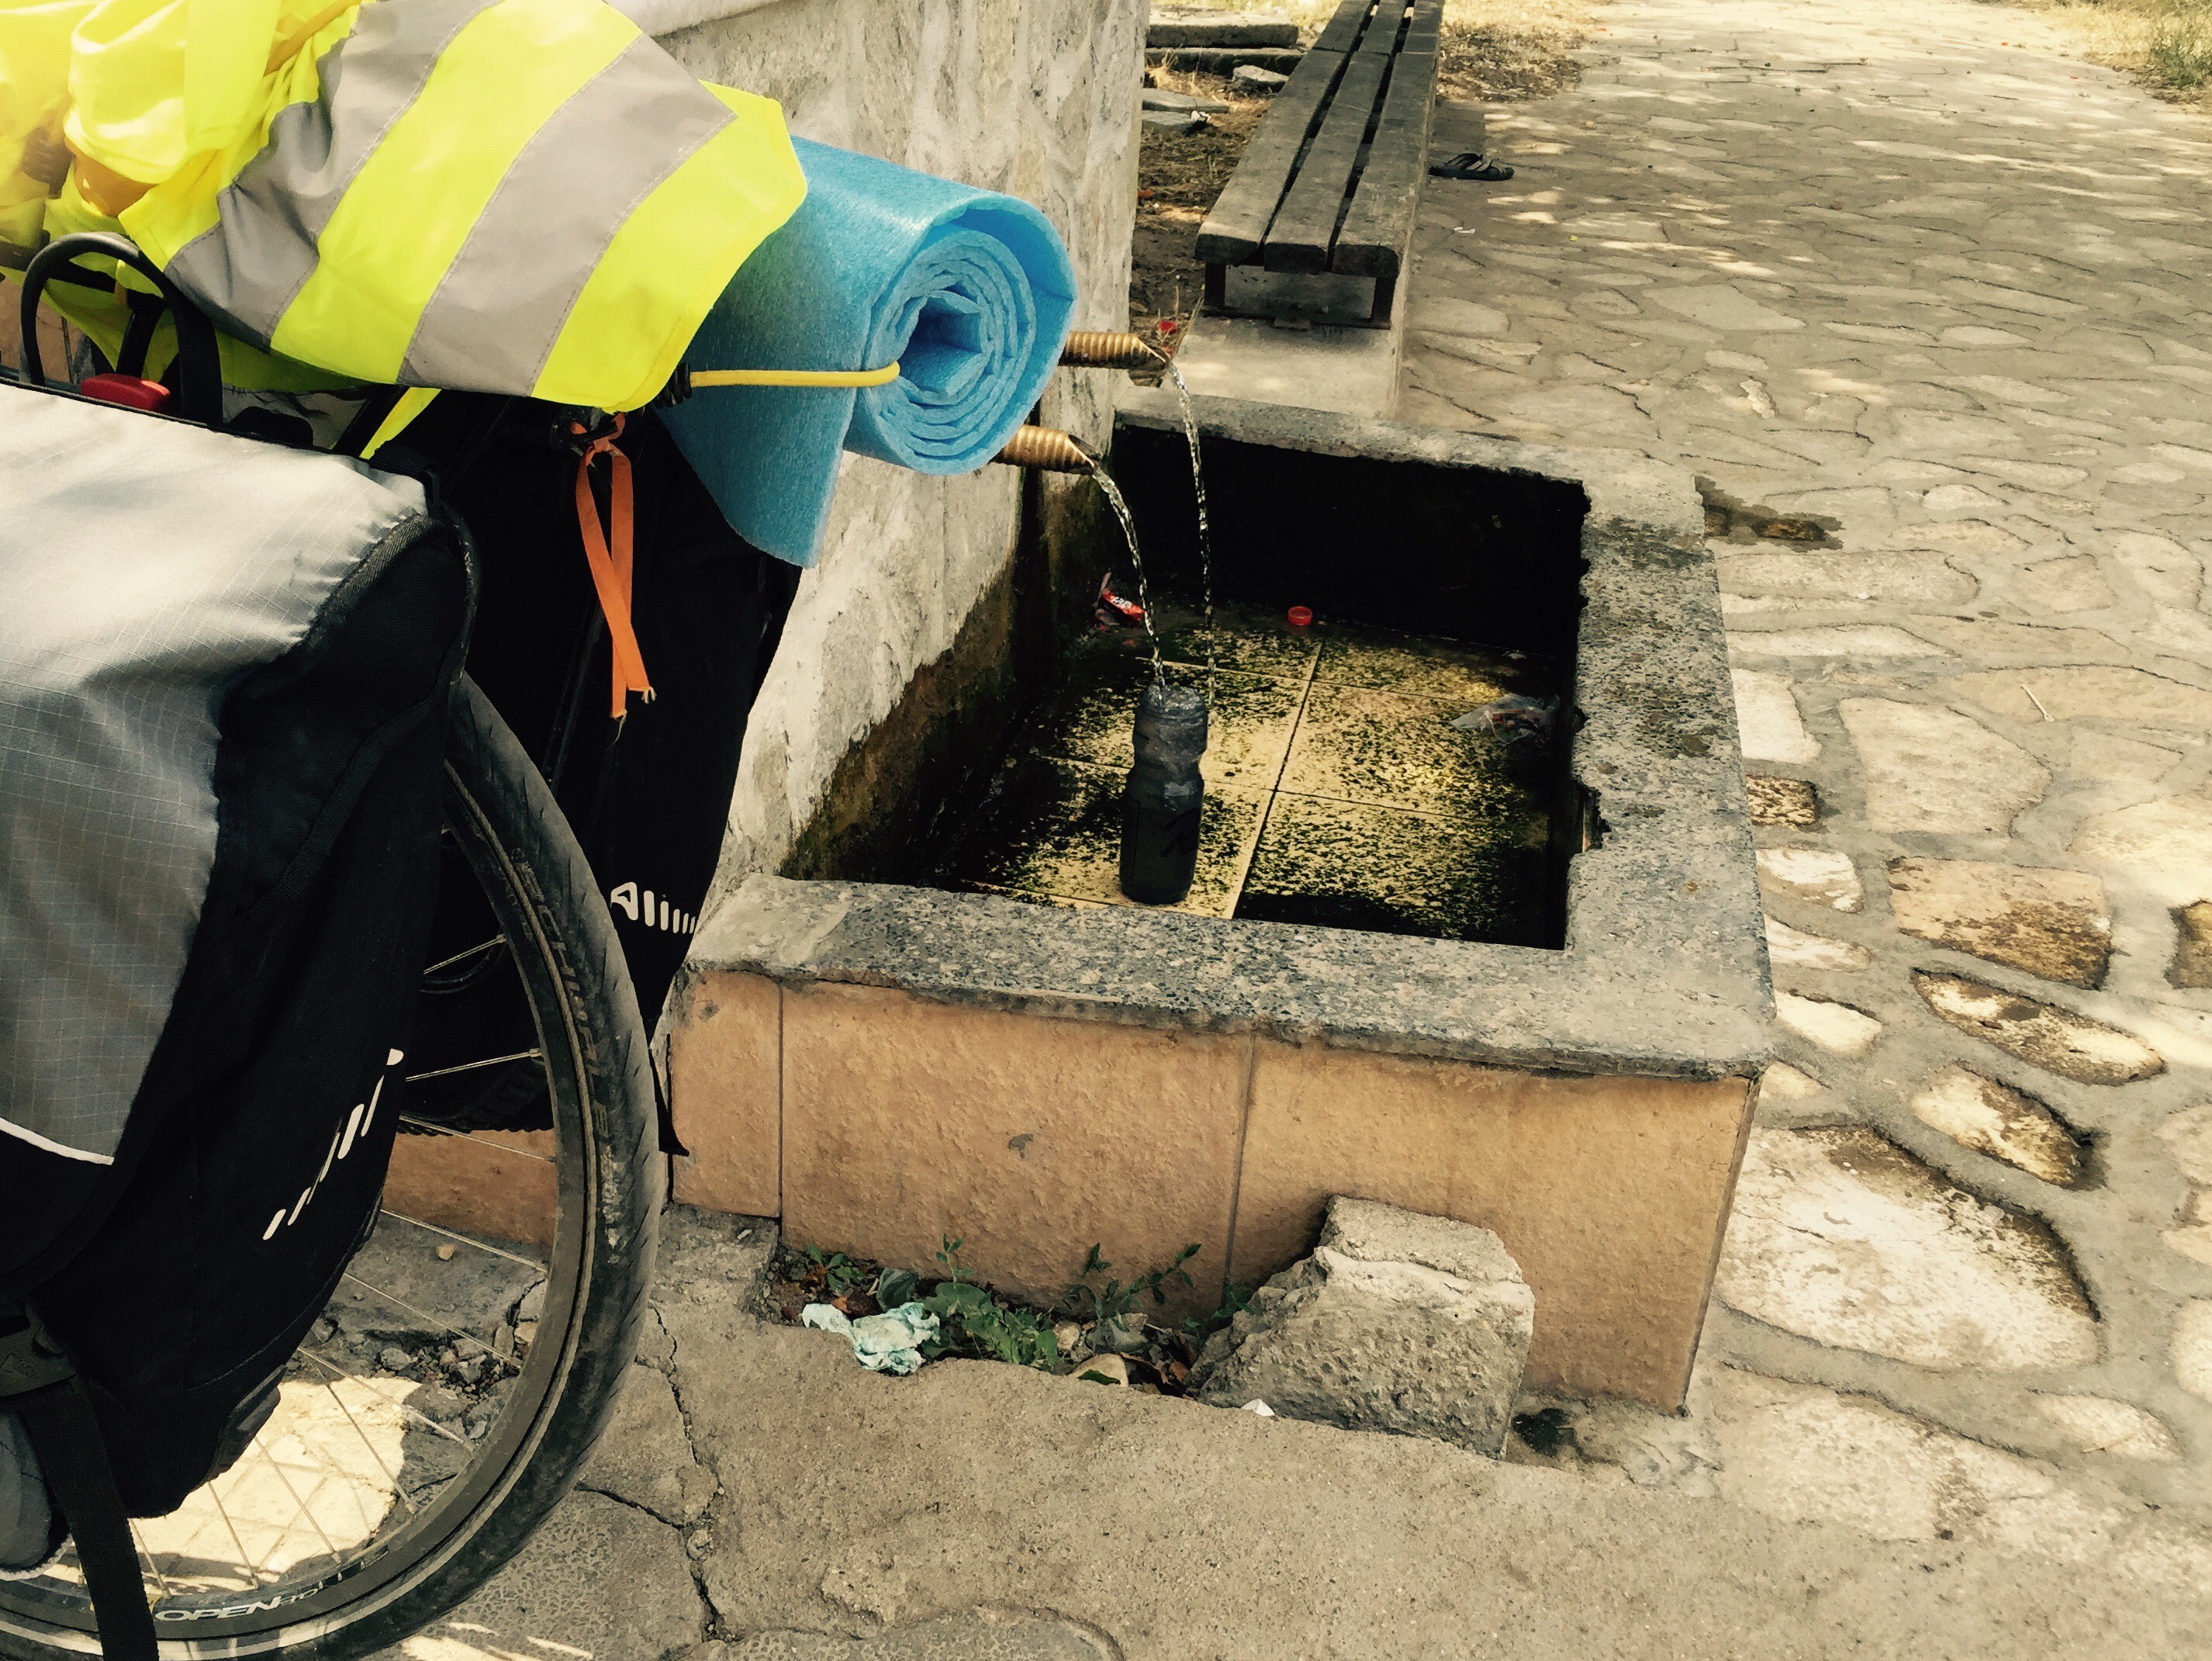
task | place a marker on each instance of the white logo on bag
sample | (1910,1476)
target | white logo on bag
(654,914)
(341,1141)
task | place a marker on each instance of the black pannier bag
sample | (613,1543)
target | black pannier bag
(225,668)
(649,795)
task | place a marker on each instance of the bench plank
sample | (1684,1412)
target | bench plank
(1341,32)
(1304,228)
(1382,37)
(1314,161)
(1426,31)
(1237,223)
(1376,226)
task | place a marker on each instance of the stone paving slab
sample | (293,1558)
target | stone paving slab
(1923,304)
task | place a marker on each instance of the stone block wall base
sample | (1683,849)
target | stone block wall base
(879,1124)
(498,1184)
(907,1123)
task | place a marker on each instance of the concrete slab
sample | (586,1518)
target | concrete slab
(981,1635)
(1348,371)
(993,1513)
(600,1580)
(854,1502)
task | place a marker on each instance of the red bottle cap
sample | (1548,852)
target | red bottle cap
(1301,616)
(131,391)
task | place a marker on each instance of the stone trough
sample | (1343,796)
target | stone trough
(884,1065)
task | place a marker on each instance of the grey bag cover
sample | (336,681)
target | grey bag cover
(145,566)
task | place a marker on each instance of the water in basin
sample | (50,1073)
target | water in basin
(1339,792)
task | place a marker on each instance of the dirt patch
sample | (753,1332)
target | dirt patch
(1506,62)
(1178,177)
(2165,45)
(1728,520)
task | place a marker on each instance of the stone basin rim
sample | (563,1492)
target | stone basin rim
(1664,972)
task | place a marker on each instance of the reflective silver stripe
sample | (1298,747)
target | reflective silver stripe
(500,307)
(251,266)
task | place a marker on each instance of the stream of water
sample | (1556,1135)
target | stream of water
(1198,490)
(1120,507)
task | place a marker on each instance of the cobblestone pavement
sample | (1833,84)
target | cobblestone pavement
(1928,306)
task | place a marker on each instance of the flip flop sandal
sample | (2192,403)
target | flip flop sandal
(1471,164)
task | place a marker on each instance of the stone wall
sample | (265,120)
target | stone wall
(1033,97)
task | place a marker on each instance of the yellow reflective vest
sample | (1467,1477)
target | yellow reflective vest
(511,196)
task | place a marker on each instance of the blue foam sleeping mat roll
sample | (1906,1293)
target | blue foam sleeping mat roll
(968,291)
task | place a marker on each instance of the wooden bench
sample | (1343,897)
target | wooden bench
(1331,180)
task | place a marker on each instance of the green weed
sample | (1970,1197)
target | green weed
(1111,1300)
(839,1273)
(1234,1300)
(971,1322)
(2179,44)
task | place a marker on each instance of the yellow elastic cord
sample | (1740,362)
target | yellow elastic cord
(412,403)
(795,377)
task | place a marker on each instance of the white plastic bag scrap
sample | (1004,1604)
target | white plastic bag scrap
(889,1342)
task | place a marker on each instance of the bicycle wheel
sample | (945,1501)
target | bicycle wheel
(455,1383)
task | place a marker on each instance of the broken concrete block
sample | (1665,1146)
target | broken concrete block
(1397,1322)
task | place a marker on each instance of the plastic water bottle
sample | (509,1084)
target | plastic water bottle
(1165,794)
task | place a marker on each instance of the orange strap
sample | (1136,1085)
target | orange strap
(611,571)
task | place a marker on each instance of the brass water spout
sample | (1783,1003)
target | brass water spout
(1100,349)
(1047,448)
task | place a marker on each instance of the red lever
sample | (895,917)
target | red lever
(132,392)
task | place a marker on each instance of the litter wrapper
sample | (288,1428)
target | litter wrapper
(889,1342)
(970,292)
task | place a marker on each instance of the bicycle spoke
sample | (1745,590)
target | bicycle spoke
(145,1551)
(353,1489)
(223,1512)
(369,1384)
(468,1240)
(447,1130)
(397,1488)
(471,1067)
(459,957)
(314,1521)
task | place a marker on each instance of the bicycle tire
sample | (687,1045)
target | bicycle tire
(610,1186)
